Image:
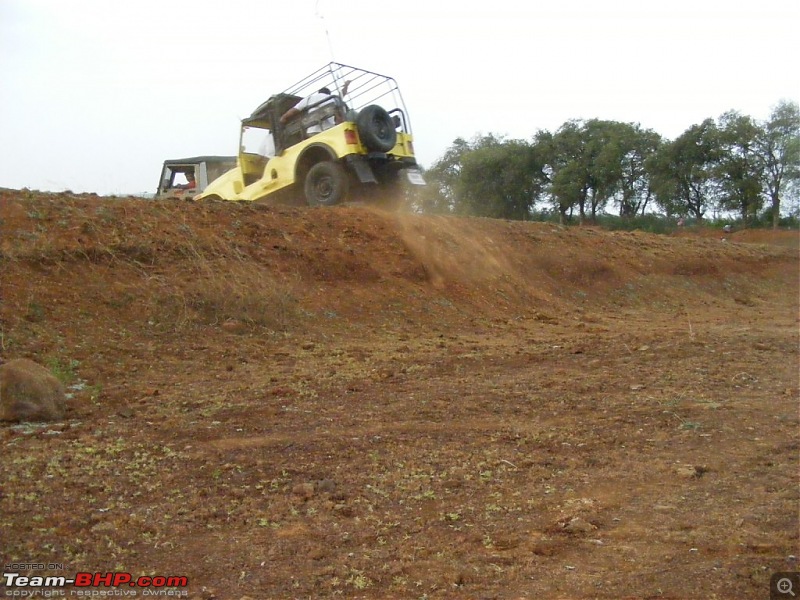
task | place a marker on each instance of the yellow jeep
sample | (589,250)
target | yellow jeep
(339,134)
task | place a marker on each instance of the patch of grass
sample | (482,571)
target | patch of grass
(690,426)
(6,343)
(34,312)
(225,290)
(359,581)
(63,369)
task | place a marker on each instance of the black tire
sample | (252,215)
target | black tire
(376,129)
(326,184)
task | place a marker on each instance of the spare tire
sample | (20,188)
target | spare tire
(376,129)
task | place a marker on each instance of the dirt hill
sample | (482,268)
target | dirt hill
(294,403)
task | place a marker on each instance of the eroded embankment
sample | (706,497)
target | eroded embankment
(173,264)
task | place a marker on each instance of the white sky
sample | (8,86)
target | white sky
(95,94)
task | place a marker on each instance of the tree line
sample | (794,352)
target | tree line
(733,164)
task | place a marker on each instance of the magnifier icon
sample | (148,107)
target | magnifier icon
(784,586)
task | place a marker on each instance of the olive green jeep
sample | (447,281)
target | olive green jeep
(339,134)
(183,178)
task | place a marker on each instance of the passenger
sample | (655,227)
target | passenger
(318,99)
(190,182)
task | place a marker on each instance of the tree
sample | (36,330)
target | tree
(779,149)
(442,178)
(637,145)
(604,156)
(543,153)
(594,162)
(683,171)
(488,177)
(569,166)
(739,170)
(499,179)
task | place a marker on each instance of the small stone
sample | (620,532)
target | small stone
(453,483)
(579,526)
(344,510)
(304,490)
(326,486)
(233,326)
(545,548)
(690,471)
(105,526)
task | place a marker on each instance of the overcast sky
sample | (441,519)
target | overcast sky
(95,94)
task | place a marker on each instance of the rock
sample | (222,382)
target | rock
(579,526)
(304,490)
(234,326)
(326,486)
(104,527)
(546,548)
(506,542)
(690,471)
(344,510)
(453,483)
(29,392)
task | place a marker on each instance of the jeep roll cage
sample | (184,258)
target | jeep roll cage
(365,88)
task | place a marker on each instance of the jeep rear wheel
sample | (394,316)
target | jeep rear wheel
(376,129)
(326,184)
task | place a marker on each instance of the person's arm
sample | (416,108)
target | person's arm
(294,111)
(289,115)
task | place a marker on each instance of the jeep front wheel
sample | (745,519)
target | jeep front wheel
(326,184)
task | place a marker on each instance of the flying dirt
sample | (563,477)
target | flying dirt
(285,402)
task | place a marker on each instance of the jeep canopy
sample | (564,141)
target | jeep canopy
(175,173)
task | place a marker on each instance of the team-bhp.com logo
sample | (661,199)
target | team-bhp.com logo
(89,584)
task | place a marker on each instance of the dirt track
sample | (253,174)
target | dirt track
(305,403)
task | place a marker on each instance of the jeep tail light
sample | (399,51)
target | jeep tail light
(350,136)
(410,147)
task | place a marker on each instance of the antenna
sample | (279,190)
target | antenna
(319,14)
